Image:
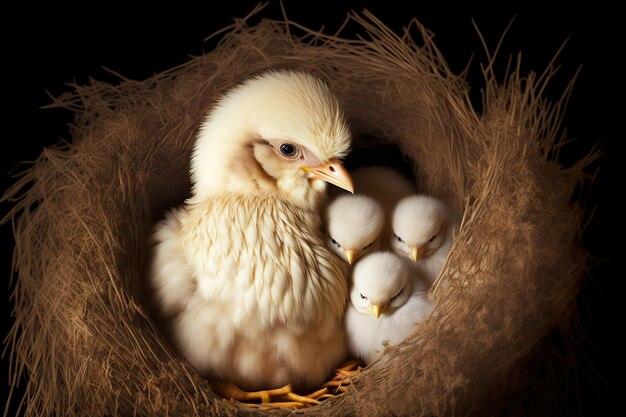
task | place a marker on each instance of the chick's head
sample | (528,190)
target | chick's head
(280,132)
(353,224)
(420,226)
(380,284)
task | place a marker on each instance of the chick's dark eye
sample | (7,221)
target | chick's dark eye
(397,295)
(288,150)
(362,296)
(398,237)
(368,246)
(432,238)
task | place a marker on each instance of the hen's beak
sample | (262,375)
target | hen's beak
(415,252)
(350,255)
(332,172)
(377,309)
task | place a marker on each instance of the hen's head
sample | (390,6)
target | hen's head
(279,132)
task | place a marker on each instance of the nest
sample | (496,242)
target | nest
(83,212)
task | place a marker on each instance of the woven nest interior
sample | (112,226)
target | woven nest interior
(83,337)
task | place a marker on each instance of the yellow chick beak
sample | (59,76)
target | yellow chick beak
(415,252)
(377,309)
(332,172)
(350,255)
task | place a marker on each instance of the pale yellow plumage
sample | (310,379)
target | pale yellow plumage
(242,279)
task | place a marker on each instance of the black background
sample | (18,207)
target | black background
(43,48)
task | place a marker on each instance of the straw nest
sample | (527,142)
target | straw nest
(83,213)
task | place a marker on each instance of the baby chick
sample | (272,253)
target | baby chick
(423,228)
(387,302)
(353,224)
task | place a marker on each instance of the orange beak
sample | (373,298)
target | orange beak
(332,172)
(350,255)
(415,253)
(377,309)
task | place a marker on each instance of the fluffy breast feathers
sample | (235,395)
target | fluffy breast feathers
(268,253)
(248,292)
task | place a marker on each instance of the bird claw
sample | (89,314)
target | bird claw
(337,382)
(349,374)
(233,392)
(317,393)
(347,366)
(299,398)
(284,396)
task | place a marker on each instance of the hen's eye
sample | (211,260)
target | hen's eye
(362,296)
(288,150)
(432,238)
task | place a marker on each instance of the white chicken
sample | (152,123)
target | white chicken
(353,224)
(387,302)
(423,228)
(242,279)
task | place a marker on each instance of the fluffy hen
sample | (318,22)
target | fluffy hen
(241,277)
